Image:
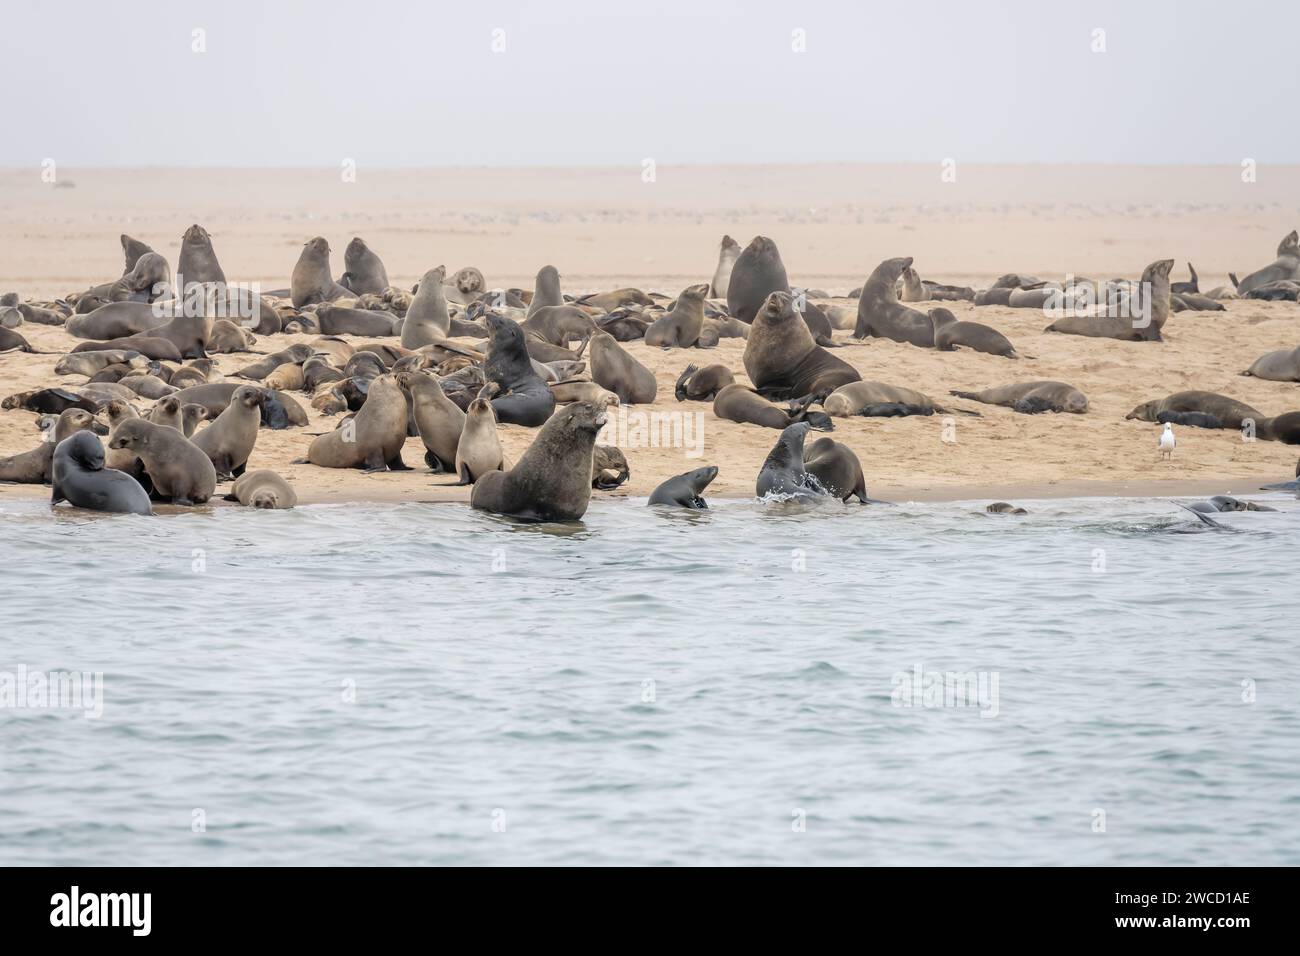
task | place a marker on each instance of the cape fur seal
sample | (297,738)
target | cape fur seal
(616,370)
(438,420)
(701,384)
(1279,366)
(728,253)
(1004,508)
(147,345)
(546,291)
(262,489)
(280,410)
(738,403)
(552,481)
(685,490)
(558,324)
(1030,398)
(524,398)
(782,359)
(340,320)
(116,320)
(363,270)
(479,448)
(880,314)
(33,467)
(609,467)
(311,281)
(838,470)
(783,471)
(229,440)
(427,319)
(758,272)
(78,476)
(179,469)
(1285,266)
(373,439)
(132,250)
(950,333)
(878,400)
(1229,411)
(1154,308)
(681,327)
(198,260)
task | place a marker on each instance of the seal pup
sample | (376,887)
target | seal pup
(262,489)
(198,372)
(782,359)
(524,398)
(1030,398)
(479,448)
(167,411)
(1285,266)
(179,469)
(363,270)
(728,253)
(229,440)
(33,467)
(838,470)
(546,291)
(312,281)
(609,467)
(552,481)
(685,490)
(78,476)
(950,333)
(1280,366)
(880,314)
(439,421)
(427,319)
(681,327)
(373,439)
(701,384)
(198,260)
(783,471)
(614,369)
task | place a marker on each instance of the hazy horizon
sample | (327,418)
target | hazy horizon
(502,85)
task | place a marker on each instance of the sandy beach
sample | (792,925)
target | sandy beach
(605,228)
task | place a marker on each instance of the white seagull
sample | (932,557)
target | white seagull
(1167,442)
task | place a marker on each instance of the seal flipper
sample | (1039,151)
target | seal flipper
(239,470)
(374,462)
(56,495)
(680,390)
(1205,518)
(396,463)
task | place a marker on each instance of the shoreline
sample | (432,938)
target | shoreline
(1014,492)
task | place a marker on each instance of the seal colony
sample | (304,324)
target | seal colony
(504,390)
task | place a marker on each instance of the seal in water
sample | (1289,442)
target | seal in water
(686,490)
(80,478)
(262,489)
(838,470)
(783,472)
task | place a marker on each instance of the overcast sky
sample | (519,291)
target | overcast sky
(602,82)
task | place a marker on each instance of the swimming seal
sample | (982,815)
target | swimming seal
(552,481)
(78,476)
(783,471)
(686,490)
(880,314)
(1030,398)
(180,470)
(782,359)
(262,489)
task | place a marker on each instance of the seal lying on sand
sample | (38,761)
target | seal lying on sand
(1230,412)
(1285,266)
(738,403)
(1152,308)
(878,399)
(552,481)
(79,477)
(1030,398)
(1280,366)
(701,384)
(950,333)
(686,490)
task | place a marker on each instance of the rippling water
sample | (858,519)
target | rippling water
(425,684)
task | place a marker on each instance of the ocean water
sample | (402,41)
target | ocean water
(423,684)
